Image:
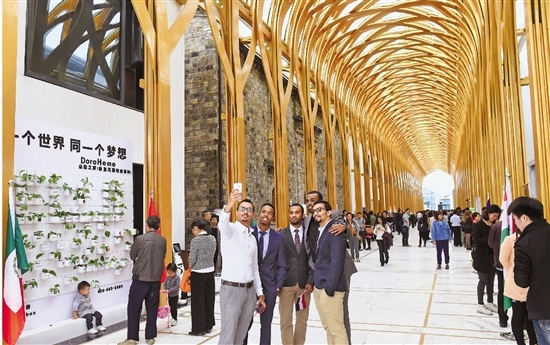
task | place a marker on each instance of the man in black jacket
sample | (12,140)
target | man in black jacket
(532,262)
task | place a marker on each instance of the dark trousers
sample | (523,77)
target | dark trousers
(486,280)
(89,318)
(143,291)
(173,303)
(202,301)
(266,318)
(405,239)
(363,239)
(457,235)
(502,314)
(369,240)
(382,251)
(347,323)
(442,246)
(423,236)
(519,318)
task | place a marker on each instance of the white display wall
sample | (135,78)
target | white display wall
(74,203)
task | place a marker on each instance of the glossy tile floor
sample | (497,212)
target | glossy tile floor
(408,301)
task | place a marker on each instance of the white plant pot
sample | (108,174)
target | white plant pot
(105,195)
(116,209)
(100,251)
(134,232)
(95,218)
(76,219)
(85,219)
(118,272)
(106,202)
(87,251)
(21,220)
(30,183)
(106,209)
(20,202)
(100,226)
(101,267)
(29,202)
(38,202)
(53,185)
(101,218)
(118,240)
(117,218)
(37,239)
(60,264)
(123,263)
(44,246)
(81,269)
(39,221)
(60,245)
(37,265)
(67,263)
(107,265)
(81,201)
(89,268)
(45,276)
(68,280)
(94,243)
(74,209)
(74,245)
(66,192)
(53,237)
(54,293)
(54,220)
(19,181)
(54,192)
(107,218)
(95,268)
(127,247)
(68,219)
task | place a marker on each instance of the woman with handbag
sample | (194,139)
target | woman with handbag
(380,228)
(201,262)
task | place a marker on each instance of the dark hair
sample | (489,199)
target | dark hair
(371,212)
(205,212)
(172,267)
(383,220)
(153,222)
(319,195)
(475,214)
(199,223)
(268,204)
(491,209)
(296,205)
(530,207)
(83,284)
(326,205)
(216,217)
(248,201)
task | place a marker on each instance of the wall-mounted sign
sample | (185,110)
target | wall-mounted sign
(39,145)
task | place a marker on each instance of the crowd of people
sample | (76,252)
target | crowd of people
(310,257)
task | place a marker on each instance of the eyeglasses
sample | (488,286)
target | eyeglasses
(245,209)
(318,210)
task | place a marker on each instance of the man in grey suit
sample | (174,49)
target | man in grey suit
(312,234)
(298,280)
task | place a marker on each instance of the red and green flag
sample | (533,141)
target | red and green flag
(13,304)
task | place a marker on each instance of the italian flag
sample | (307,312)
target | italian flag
(13,305)
(507,225)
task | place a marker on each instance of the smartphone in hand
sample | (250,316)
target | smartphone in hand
(260,308)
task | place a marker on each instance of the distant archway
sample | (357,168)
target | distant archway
(438,191)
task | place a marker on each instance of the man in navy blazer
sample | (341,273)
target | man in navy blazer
(329,278)
(272,267)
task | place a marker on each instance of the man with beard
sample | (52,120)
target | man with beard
(298,283)
(311,227)
(241,279)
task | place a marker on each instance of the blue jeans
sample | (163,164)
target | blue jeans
(542,329)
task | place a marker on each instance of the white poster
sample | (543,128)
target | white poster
(39,145)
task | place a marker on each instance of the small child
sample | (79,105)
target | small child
(82,307)
(172,288)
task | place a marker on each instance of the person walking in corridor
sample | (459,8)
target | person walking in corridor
(441,234)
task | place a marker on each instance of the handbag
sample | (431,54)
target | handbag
(369,230)
(185,284)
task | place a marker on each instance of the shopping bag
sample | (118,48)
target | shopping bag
(185,285)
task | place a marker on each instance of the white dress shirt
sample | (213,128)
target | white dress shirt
(239,252)
(455,220)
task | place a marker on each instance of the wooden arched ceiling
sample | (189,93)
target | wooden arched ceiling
(403,67)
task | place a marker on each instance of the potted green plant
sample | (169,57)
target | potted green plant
(39,179)
(28,245)
(81,195)
(84,183)
(30,283)
(67,190)
(94,284)
(118,239)
(127,245)
(118,270)
(53,180)
(20,196)
(76,242)
(87,216)
(123,262)
(55,255)
(25,178)
(105,248)
(47,274)
(70,279)
(94,240)
(74,259)
(55,290)
(38,235)
(69,226)
(53,236)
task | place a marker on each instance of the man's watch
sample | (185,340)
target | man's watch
(279,290)
(261,296)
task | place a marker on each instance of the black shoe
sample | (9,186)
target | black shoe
(360,249)
(197,334)
(503,324)
(438,267)
(209,331)
(447,266)
(369,248)
(382,264)
(388,259)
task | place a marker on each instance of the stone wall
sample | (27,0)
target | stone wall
(202,160)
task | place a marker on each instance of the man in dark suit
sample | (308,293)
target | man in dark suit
(272,267)
(328,277)
(311,227)
(298,279)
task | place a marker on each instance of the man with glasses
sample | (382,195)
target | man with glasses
(328,278)
(240,278)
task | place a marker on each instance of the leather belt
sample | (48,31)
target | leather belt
(243,285)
